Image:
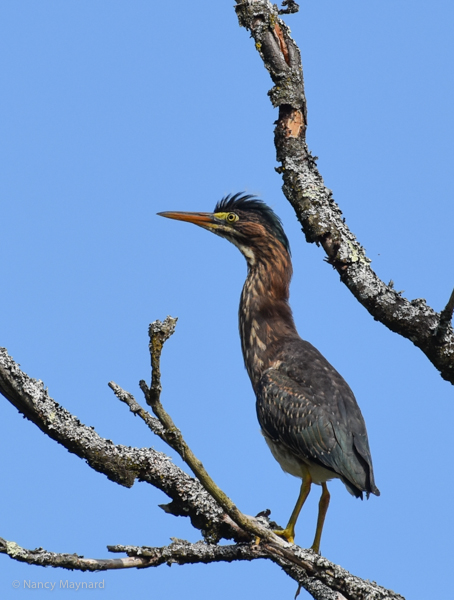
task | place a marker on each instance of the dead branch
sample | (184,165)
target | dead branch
(121,464)
(159,332)
(221,518)
(320,217)
(321,578)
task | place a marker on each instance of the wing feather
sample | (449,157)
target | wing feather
(304,404)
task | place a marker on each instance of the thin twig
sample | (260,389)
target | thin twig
(159,332)
(153,424)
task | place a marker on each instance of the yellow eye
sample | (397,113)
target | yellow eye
(231,218)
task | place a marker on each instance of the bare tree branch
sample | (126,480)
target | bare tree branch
(73,562)
(321,578)
(183,552)
(316,210)
(153,424)
(159,332)
(120,464)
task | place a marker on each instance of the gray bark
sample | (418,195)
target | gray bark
(316,210)
(200,499)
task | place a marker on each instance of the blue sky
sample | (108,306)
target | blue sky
(113,111)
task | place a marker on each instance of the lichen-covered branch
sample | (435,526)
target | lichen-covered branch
(73,562)
(182,552)
(179,552)
(316,210)
(121,464)
(321,578)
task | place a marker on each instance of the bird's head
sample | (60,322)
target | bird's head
(244,220)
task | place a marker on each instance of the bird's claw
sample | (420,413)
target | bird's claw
(288,535)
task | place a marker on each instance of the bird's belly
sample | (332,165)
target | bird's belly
(297,465)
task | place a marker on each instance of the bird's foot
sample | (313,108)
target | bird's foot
(289,536)
(287,533)
(316,547)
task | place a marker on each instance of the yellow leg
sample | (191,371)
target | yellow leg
(322,509)
(289,532)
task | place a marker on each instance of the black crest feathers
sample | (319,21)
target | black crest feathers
(256,209)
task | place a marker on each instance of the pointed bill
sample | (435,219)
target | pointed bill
(206,220)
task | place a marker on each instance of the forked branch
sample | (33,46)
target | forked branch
(159,332)
(209,508)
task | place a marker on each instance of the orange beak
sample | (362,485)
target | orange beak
(205,220)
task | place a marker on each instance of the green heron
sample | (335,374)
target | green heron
(308,413)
